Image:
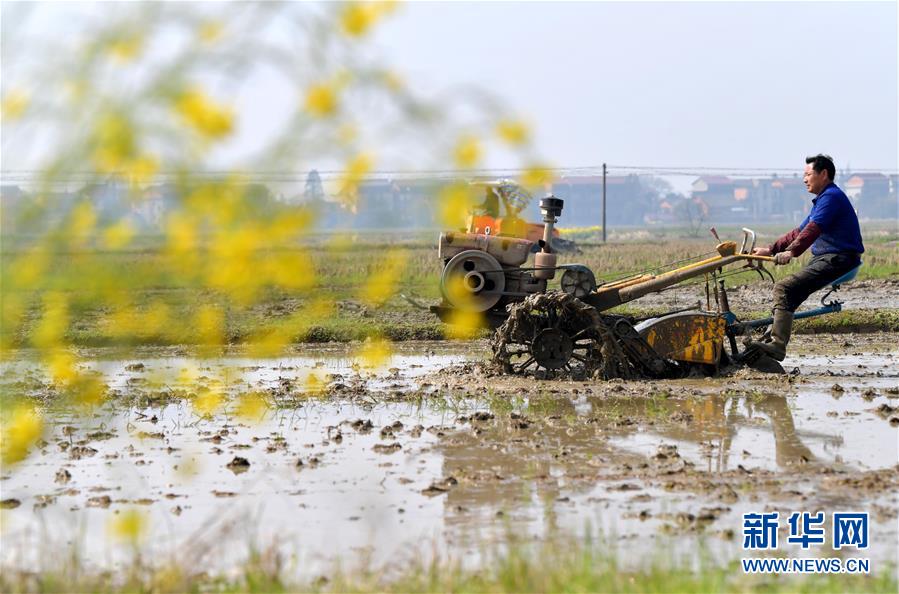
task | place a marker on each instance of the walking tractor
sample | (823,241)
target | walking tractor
(571,329)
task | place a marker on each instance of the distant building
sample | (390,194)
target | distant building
(871,195)
(628,200)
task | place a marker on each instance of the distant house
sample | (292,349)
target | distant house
(716,192)
(782,199)
(871,195)
(628,200)
(872,185)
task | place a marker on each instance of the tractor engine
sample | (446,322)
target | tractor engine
(483,273)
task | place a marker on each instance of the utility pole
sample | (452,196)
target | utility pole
(603,202)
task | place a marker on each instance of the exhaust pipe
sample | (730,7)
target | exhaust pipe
(545,259)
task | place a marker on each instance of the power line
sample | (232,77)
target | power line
(331,174)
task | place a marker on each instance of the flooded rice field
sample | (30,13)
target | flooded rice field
(432,453)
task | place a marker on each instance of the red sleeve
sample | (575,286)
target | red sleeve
(804,239)
(782,243)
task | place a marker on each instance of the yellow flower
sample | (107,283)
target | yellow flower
(357,18)
(50,330)
(251,407)
(61,365)
(114,143)
(513,132)
(465,325)
(182,234)
(321,100)
(383,283)
(128,526)
(209,119)
(125,49)
(88,391)
(22,430)
(14,105)
(210,31)
(210,325)
(141,169)
(82,222)
(313,384)
(536,175)
(207,402)
(118,235)
(375,352)
(28,270)
(454,205)
(467,152)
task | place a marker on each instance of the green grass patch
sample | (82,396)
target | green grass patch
(555,565)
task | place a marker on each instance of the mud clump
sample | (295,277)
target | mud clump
(79,452)
(10,503)
(362,426)
(440,487)
(63,476)
(387,448)
(238,465)
(103,501)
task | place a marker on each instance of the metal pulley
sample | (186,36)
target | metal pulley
(473,281)
(578,281)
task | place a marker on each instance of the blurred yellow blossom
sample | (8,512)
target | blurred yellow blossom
(536,175)
(210,325)
(384,282)
(210,119)
(357,18)
(355,171)
(49,332)
(61,365)
(467,152)
(118,235)
(28,270)
(12,315)
(141,169)
(321,100)
(125,49)
(455,202)
(251,407)
(513,132)
(82,222)
(14,105)
(128,526)
(115,144)
(207,402)
(20,431)
(465,325)
(210,31)
(313,384)
(87,391)
(182,233)
(375,352)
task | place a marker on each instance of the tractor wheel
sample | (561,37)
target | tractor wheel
(549,332)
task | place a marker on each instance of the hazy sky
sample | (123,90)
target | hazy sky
(708,84)
(701,84)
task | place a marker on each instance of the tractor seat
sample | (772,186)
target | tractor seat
(846,278)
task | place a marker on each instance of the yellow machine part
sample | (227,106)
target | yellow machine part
(693,337)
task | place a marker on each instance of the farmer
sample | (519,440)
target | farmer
(832,230)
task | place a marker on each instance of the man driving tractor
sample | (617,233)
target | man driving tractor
(832,231)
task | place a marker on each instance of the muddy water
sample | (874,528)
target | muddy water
(426,455)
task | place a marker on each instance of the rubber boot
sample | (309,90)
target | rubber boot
(780,335)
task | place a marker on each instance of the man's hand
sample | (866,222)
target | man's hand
(783,258)
(761,252)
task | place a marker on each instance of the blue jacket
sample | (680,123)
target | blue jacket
(833,213)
